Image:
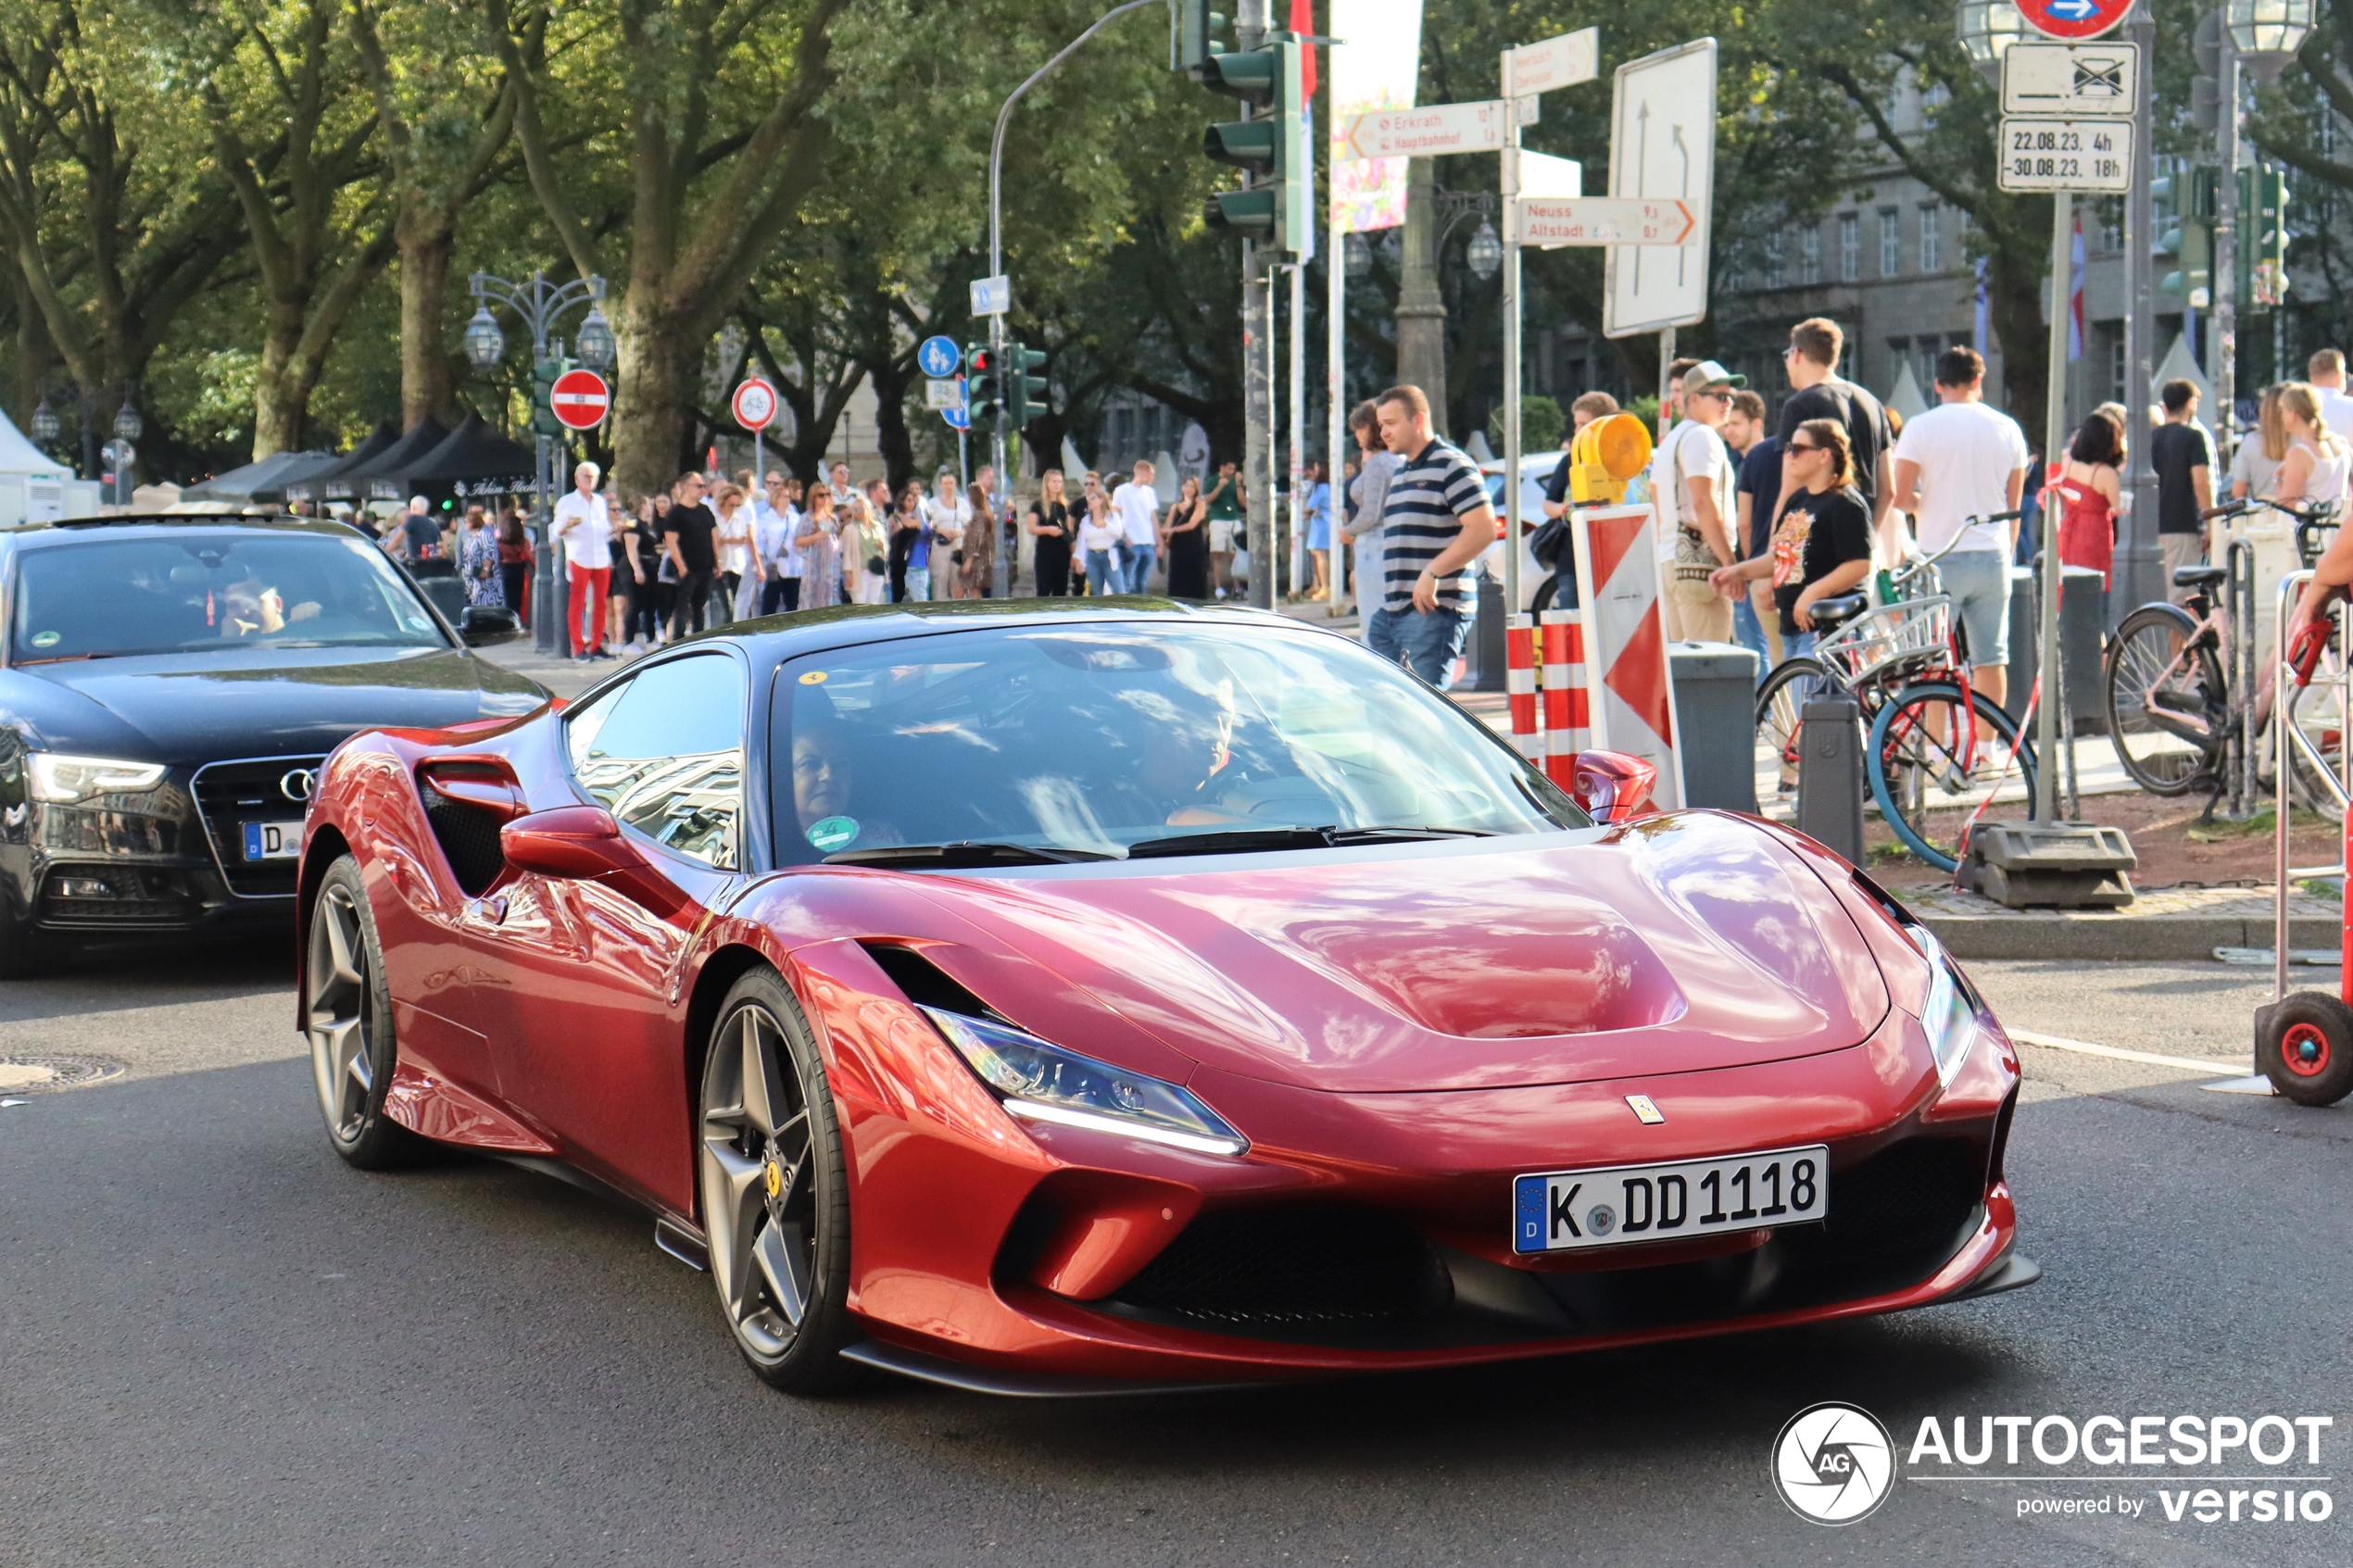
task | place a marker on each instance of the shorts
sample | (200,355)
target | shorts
(2180,549)
(1222,531)
(1979,585)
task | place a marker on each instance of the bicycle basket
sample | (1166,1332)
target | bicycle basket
(1888,640)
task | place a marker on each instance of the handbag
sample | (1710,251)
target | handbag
(1548,542)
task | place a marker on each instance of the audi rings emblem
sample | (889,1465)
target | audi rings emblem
(297,783)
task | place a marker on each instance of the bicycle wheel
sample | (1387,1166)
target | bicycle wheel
(2148,659)
(1927,776)
(1781,709)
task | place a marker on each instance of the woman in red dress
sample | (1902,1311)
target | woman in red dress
(2087,485)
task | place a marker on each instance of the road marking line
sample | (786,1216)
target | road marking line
(2187,1064)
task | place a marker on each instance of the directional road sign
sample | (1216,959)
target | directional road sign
(580,399)
(944,394)
(755,404)
(2073,19)
(1662,147)
(1605,221)
(1425,133)
(1557,62)
(939,355)
(2071,79)
(992,296)
(2051,153)
(958,418)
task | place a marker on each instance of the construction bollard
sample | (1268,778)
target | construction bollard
(1568,725)
(1830,775)
(1519,665)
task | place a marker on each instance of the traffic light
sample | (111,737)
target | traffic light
(543,397)
(1193,26)
(1267,146)
(1025,396)
(2185,205)
(984,383)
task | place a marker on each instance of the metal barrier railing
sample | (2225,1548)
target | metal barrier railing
(2290,740)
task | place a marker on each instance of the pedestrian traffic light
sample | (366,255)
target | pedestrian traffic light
(1268,146)
(2262,251)
(543,397)
(984,383)
(1025,396)
(1192,26)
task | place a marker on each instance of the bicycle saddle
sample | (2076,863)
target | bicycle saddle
(1829,614)
(2199,576)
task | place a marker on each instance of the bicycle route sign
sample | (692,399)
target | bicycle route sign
(2073,20)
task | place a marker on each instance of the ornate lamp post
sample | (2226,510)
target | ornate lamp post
(541,304)
(1987,27)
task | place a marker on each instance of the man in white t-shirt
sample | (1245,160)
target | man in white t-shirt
(1696,473)
(585,526)
(1135,507)
(2325,370)
(1957,461)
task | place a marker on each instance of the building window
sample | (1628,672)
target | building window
(1776,260)
(1850,248)
(1809,255)
(1891,258)
(2117,379)
(1931,238)
(2110,213)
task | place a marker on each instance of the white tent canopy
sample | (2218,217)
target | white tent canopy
(19,456)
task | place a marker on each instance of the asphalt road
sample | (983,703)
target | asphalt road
(218,1345)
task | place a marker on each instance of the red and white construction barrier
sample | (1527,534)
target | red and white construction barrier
(1625,634)
(1519,684)
(1568,725)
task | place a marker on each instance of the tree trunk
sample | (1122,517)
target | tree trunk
(2014,288)
(890,379)
(427,241)
(649,416)
(281,393)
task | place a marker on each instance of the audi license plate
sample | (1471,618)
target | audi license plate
(272,840)
(1563,1210)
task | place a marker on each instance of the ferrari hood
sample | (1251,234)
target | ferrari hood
(1679,944)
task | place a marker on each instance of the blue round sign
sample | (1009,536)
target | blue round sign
(958,418)
(938,357)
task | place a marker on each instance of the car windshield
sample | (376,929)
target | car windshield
(181,593)
(1103,739)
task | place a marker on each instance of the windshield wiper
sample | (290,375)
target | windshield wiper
(964,852)
(1244,841)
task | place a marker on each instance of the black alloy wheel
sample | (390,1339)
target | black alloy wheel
(775,1203)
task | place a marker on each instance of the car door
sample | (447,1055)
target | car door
(586,1026)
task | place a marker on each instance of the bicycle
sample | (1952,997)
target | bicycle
(1929,735)
(2170,709)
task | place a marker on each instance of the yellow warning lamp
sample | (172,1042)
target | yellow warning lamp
(1604,457)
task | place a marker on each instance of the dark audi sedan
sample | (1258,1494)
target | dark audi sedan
(170,687)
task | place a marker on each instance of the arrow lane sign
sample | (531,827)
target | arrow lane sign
(1547,221)
(1425,133)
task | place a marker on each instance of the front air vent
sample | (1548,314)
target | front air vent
(1288,1272)
(923,981)
(469,838)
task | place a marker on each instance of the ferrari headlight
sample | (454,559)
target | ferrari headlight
(1040,1082)
(1950,1015)
(68,779)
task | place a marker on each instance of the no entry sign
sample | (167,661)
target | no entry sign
(755,404)
(580,399)
(2073,19)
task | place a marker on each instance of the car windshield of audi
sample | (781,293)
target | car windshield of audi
(171,686)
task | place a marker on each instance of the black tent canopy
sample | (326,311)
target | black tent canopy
(474,460)
(330,483)
(380,479)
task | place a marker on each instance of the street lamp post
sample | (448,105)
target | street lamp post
(541,304)
(1004,577)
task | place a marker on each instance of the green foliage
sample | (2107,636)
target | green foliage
(1541,424)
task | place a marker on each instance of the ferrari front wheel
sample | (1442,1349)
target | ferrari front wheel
(775,1197)
(346,1014)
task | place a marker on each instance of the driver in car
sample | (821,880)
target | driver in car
(249,604)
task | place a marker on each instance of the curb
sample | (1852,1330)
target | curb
(2051,935)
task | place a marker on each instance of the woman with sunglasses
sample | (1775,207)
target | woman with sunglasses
(1822,546)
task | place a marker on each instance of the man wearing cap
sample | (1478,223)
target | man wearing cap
(1698,470)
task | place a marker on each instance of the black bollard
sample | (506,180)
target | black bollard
(1830,775)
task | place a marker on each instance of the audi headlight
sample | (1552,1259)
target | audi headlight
(1950,1013)
(1041,1082)
(68,779)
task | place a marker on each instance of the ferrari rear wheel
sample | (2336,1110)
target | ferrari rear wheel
(775,1197)
(347,1012)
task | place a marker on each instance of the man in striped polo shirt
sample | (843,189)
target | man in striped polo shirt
(1434,522)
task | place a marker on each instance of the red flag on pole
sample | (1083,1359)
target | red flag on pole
(1302,20)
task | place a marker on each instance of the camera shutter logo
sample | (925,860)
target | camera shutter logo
(297,783)
(1833,1463)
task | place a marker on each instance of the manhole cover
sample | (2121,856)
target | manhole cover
(39,1074)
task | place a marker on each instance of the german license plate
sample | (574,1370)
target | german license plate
(1567,1211)
(272,840)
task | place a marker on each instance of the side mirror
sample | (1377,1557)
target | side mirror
(483,625)
(1612,786)
(570,842)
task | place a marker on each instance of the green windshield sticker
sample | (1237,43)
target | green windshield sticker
(47,639)
(830,833)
